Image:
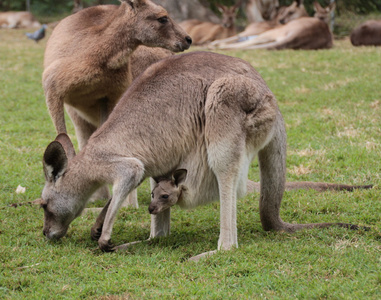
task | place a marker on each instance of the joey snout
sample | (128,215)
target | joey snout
(153,209)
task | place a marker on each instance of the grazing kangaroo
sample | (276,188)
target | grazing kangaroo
(210,109)
(205,32)
(284,15)
(189,190)
(367,34)
(90,60)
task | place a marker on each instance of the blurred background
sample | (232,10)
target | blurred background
(348,14)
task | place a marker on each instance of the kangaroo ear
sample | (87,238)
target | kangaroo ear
(55,161)
(66,143)
(299,2)
(221,8)
(133,3)
(237,5)
(332,6)
(317,6)
(179,176)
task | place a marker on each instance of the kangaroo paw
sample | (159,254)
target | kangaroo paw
(106,245)
(96,233)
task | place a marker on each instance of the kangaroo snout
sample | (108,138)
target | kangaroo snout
(189,40)
(53,235)
(153,209)
(182,46)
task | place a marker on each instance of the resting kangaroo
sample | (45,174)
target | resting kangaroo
(367,34)
(18,19)
(301,33)
(90,60)
(210,109)
(284,15)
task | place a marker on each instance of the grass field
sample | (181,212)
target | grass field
(331,102)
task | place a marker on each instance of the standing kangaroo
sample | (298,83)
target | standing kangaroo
(87,59)
(90,60)
(210,109)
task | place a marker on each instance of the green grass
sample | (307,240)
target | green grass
(331,104)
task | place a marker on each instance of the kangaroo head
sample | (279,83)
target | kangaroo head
(153,27)
(294,11)
(228,14)
(167,191)
(59,202)
(324,14)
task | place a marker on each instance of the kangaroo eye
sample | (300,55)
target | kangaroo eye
(163,20)
(164,196)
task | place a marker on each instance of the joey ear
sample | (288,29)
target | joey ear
(179,176)
(55,161)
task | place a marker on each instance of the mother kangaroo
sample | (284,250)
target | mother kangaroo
(210,108)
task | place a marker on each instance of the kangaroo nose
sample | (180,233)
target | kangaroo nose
(189,40)
(152,209)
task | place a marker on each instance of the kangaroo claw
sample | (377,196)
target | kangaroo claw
(96,233)
(106,246)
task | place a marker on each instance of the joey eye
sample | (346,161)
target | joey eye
(164,196)
(163,20)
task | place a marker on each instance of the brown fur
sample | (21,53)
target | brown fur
(208,111)
(87,59)
(18,19)
(205,32)
(367,34)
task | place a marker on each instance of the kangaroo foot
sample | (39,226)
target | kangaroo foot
(202,256)
(124,247)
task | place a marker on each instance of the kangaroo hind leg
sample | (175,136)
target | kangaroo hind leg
(235,119)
